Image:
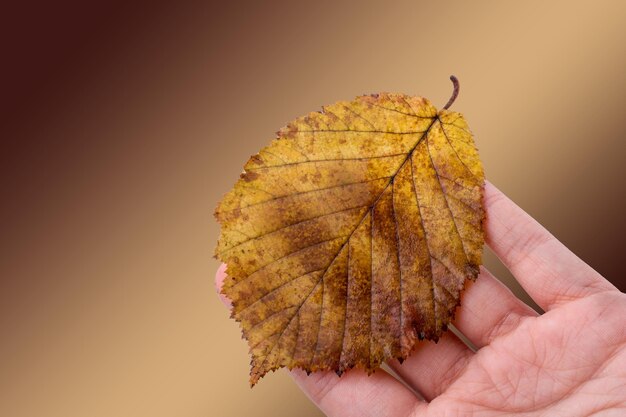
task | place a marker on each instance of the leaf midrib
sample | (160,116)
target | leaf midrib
(391,179)
(349,236)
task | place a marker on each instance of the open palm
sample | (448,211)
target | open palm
(569,361)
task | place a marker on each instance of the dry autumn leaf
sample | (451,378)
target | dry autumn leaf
(351,236)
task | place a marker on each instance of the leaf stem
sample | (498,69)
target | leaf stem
(455,92)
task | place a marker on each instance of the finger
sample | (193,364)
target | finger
(432,367)
(357,394)
(548,271)
(354,393)
(489,310)
(220,276)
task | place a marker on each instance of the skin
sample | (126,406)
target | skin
(569,361)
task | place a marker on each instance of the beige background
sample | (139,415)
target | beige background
(124,124)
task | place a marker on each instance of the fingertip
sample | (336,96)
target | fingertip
(220,276)
(491,193)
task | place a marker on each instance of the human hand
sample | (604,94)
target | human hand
(569,361)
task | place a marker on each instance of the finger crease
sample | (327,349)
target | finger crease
(509,321)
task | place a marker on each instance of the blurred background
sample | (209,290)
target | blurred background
(123,123)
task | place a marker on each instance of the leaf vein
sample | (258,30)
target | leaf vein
(286,256)
(445,197)
(276,289)
(360,116)
(393,210)
(445,135)
(347,184)
(430,256)
(411,132)
(283,227)
(401,112)
(364,158)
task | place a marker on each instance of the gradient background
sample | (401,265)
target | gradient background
(124,123)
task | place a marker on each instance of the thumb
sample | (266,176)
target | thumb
(220,276)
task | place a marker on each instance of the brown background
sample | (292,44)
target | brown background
(122,126)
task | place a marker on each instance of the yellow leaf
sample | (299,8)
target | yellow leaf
(351,236)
